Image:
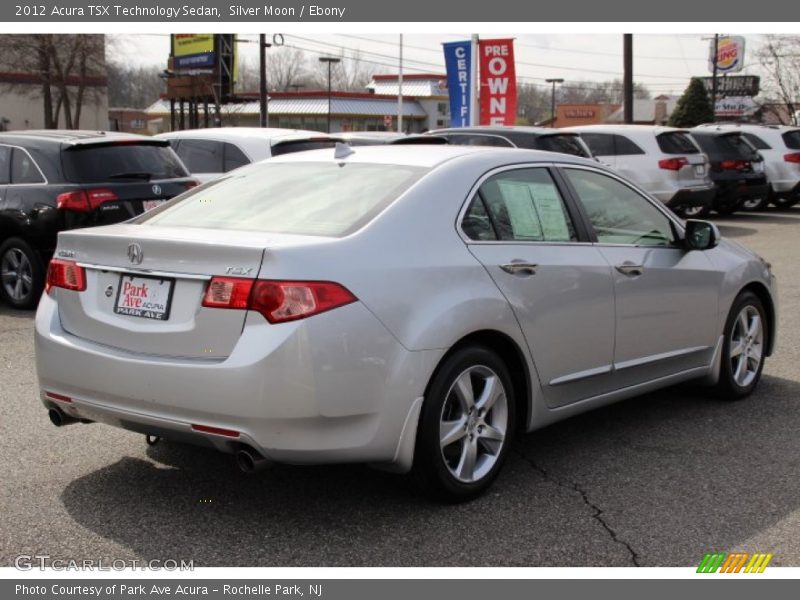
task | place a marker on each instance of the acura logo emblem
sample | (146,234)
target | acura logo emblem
(135,254)
(156,189)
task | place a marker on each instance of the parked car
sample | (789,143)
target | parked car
(531,138)
(208,153)
(408,307)
(736,169)
(779,146)
(664,161)
(51,181)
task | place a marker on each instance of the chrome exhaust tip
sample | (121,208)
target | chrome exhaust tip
(249,461)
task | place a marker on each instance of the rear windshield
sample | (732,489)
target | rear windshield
(730,146)
(300,146)
(323,199)
(121,162)
(565,144)
(676,142)
(792,139)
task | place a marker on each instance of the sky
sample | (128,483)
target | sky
(664,63)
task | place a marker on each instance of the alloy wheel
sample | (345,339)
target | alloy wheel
(746,346)
(473,424)
(16,274)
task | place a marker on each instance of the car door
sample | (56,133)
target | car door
(559,286)
(666,296)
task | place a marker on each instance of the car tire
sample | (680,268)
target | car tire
(466,425)
(22,273)
(783,202)
(754,204)
(695,212)
(743,348)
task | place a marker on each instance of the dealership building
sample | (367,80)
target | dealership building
(425,106)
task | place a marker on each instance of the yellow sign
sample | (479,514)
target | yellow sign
(187,44)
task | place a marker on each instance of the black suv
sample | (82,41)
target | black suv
(56,180)
(736,168)
(532,138)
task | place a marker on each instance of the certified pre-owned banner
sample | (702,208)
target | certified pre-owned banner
(457,59)
(498,82)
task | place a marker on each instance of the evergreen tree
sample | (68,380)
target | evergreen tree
(694,107)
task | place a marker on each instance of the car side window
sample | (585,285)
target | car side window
(5,164)
(625,146)
(601,144)
(619,214)
(520,205)
(201,156)
(234,158)
(23,169)
(757,141)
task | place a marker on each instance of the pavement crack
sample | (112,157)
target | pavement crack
(598,512)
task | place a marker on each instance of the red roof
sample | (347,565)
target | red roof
(33,78)
(410,76)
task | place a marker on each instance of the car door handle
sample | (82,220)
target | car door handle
(630,269)
(519,268)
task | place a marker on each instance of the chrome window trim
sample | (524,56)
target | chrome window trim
(35,164)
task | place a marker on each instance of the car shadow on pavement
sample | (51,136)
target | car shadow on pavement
(731,231)
(656,480)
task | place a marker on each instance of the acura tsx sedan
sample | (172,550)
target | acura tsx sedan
(410,307)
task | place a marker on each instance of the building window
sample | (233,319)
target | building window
(442,108)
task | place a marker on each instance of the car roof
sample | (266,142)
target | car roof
(72,137)
(430,156)
(234,134)
(499,129)
(614,128)
(750,126)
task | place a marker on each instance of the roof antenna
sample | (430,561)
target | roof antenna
(342,150)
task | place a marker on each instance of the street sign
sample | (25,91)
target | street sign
(730,54)
(735,85)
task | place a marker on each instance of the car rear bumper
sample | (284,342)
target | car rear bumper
(737,190)
(333,388)
(786,189)
(687,197)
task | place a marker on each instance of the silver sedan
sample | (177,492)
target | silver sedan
(408,307)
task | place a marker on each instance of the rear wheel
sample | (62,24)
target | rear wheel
(466,425)
(755,203)
(744,348)
(783,202)
(21,273)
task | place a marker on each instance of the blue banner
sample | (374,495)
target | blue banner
(458,59)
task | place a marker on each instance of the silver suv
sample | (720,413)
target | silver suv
(779,146)
(663,160)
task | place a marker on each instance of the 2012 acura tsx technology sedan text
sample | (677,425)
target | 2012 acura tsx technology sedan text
(407,307)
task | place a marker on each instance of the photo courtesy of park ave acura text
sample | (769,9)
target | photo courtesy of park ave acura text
(331,296)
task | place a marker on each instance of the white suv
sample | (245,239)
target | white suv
(779,146)
(663,160)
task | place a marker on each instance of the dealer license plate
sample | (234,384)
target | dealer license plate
(145,297)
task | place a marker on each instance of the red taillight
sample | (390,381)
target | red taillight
(65,274)
(216,430)
(794,157)
(735,165)
(228,292)
(278,301)
(673,164)
(84,200)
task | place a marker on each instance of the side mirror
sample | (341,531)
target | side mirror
(701,235)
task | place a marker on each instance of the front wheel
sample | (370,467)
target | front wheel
(466,425)
(755,203)
(744,347)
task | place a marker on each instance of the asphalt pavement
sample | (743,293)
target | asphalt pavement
(657,480)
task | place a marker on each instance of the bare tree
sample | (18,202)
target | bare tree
(286,67)
(597,92)
(134,86)
(65,68)
(780,59)
(350,75)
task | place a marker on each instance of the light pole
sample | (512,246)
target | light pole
(330,60)
(553,100)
